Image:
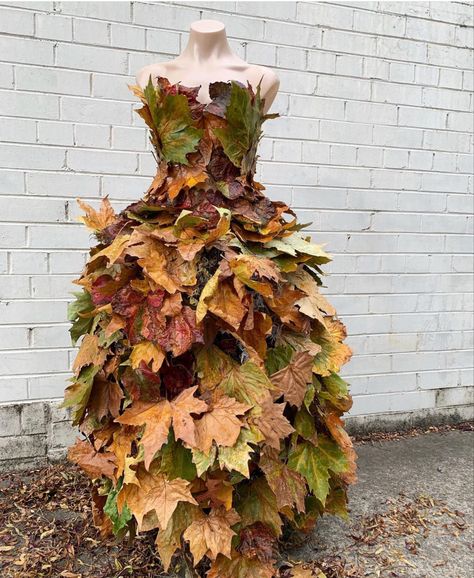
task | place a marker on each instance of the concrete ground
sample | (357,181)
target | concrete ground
(411,511)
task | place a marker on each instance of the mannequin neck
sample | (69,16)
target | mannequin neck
(207,42)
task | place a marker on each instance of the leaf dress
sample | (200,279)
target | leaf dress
(206,384)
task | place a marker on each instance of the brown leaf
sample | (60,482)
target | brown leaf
(149,353)
(155,494)
(105,398)
(157,418)
(271,422)
(211,535)
(288,486)
(97,220)
(292,380)
(240,567)
(220,424)
(95,464)
(336,426)
(89,353)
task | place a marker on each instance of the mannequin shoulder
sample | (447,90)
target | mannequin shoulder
(143,75)
(270,83)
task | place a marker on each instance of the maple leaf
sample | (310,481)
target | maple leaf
(148,353)
(334,353)
(105,398)
(240,567)
(315,463)
(221,298)
(314,305)
(95,464)
(219,490)
(257,503)
(77,395)
(155,493)
(299,571)
(220,424)
(164,265)
(288,486)
(335,426)
(89,354)
(119,520)
(269,419)
(212,366)
(175,460)
(172,124)
(79,313)
(246,382)
(237,457)
(157,418)
(113,251)
(168,539)
(240,136)
(121,446)
(335,390)
(292,380)
(203,461)
(249,269)
(211,535)
(97,220)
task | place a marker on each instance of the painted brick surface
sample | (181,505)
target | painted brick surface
(374,146)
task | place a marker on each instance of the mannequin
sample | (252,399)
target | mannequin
(208,58)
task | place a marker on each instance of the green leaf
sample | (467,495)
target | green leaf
(177,134)
(257,503)
(247,383)
(316,462)
(294,244)
(77,395)
(119,521)
(304,425)
(81,325)
(240,137)
(237,457)
(174,133)
(204,462)
(176,460)
(278,358)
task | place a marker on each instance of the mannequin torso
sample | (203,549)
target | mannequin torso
(208,58)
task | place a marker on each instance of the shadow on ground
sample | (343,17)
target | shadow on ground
(411,516)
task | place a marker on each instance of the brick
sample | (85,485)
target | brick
(49,387)
(91,58)
(10,422)
(23,446)
(95,111)
(28,262)
(26,50)
(16,22)
(62,435)
(50,80)
(15,104)
(18,130)
(33,418)
(62,184)
(53,26)
(92,136)
(13,389)
(55,133)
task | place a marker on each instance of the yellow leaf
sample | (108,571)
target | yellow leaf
(149,353)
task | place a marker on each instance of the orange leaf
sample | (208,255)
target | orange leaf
(212,534)
(292,380)
(220,424)
(95,464)
(97,220)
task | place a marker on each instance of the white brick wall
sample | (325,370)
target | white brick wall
(374,146)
